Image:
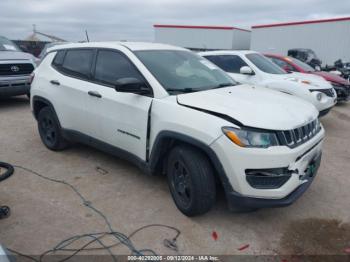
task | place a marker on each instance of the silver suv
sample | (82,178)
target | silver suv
(15,69)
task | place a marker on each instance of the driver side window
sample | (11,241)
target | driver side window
(111,66)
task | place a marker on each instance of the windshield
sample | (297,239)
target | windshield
(7,45)
(265,64)
(183,71)
(301,64)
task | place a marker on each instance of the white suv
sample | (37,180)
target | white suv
(173,112)
(249,67)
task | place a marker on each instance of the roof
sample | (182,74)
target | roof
(275,55)
(134,46)
(303,22)
(200,27)
(227,52)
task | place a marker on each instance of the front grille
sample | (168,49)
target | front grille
(295,137)
(328,92)
(16,69)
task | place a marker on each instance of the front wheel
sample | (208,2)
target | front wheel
(191,180)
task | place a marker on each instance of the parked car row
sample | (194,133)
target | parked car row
(290,64)
(250,67)
(173,112)
(151,104)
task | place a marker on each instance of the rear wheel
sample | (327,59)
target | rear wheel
(191,180)
(50,131)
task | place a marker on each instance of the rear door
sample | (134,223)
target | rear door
(69,86)
(123,117)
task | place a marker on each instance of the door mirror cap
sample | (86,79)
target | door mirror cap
(246,70)
(131,85)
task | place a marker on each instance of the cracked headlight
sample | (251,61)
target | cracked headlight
(250,138)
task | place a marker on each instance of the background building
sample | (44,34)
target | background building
(36,41)
(330,38)
(203,37)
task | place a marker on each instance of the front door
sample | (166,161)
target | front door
(123,117)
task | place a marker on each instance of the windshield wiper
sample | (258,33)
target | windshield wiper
(184,90)
(223,85)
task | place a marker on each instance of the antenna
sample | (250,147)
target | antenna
(87,36)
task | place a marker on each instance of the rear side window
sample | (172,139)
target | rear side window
(58,60)
(228,63)
(111,66)
(78,62)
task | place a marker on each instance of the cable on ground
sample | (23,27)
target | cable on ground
(96,239)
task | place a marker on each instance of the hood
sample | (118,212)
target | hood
(257,107)
(316,82)
(332,77)
(15,55)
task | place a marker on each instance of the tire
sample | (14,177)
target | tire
(50,131)
(9,170)
(191,180)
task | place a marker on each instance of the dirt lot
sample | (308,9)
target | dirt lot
(44,212)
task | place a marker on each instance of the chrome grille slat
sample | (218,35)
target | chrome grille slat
(295,137)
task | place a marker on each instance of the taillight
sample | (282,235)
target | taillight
(31,78)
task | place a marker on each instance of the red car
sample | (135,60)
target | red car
(290,64)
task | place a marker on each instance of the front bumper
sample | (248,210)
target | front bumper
(14,86)
(324,112)
(237,200)
(237,160)
(326,102)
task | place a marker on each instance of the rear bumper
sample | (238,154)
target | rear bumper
(237,200)
(14,86)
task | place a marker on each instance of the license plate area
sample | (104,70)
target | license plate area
(312,167)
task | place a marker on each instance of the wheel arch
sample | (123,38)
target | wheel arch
(41,102)
(166,140)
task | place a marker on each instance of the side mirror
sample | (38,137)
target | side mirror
(246,70)
(131,85)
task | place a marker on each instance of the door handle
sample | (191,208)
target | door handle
(55,82)
(95,94)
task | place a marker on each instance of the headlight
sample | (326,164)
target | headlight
(248,138)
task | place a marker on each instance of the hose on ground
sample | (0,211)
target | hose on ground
(8,170)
